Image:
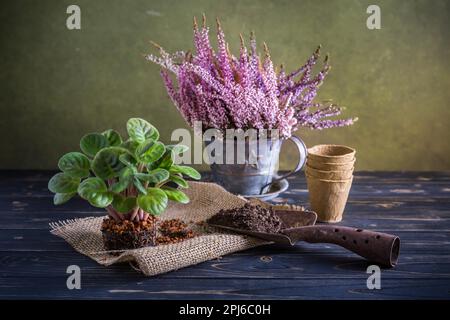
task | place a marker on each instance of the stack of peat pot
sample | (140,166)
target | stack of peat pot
(329,175)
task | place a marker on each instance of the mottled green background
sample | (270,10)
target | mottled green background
(58,84)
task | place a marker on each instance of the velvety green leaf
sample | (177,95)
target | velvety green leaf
(106,164)
(63,183)
(92,143)
(166,160)
(144,147)
(188,171)
(75,164)
(60,198)
(113,137)
(123,204)
(125,178)
(96,192)
(154,176)
(150,151)
(91,185)
(179,181)
(138,184)
(119,186)
(155,202)
(140,130)
(130,145)
(176,195)
(129,161)
(101,200)
(126,160)
(126,173)
(178,148)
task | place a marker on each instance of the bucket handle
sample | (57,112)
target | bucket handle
(302,152)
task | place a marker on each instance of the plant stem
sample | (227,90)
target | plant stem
(134,213)
(113,214)
(111,182)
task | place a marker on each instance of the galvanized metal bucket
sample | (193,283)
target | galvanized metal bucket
(252,170)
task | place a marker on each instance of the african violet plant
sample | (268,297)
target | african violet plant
(129,178)
(224,91)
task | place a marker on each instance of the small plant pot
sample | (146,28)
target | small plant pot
(330,153)
(329,175)
(328,198)
(331,166)
(121,238)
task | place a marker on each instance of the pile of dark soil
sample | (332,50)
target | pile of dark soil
(249,217)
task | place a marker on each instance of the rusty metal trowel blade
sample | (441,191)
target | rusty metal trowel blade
(295,219)
(289,219)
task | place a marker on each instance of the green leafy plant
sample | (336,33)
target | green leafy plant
(131,178)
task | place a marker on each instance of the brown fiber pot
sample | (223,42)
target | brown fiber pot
(329,175)
(331,166)
(330,153)
(328,198)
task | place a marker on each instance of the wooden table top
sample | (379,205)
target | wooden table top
(412,205)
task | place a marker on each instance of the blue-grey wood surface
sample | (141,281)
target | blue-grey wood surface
(412,205)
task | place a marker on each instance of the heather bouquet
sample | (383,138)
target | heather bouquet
(241,92)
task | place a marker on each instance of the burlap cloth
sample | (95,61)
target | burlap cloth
(206,199)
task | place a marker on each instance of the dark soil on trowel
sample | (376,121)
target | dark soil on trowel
(249,217)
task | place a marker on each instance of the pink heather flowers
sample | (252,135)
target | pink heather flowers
(223,91)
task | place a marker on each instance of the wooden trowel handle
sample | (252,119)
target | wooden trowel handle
(377,247)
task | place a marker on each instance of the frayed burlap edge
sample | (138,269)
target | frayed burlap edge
(206,199)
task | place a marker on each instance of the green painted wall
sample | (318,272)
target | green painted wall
(58,84)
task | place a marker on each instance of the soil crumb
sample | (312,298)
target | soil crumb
(173,231)
(111,225)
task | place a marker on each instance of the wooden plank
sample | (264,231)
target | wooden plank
(158,288)
(42,240)
(249,264)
